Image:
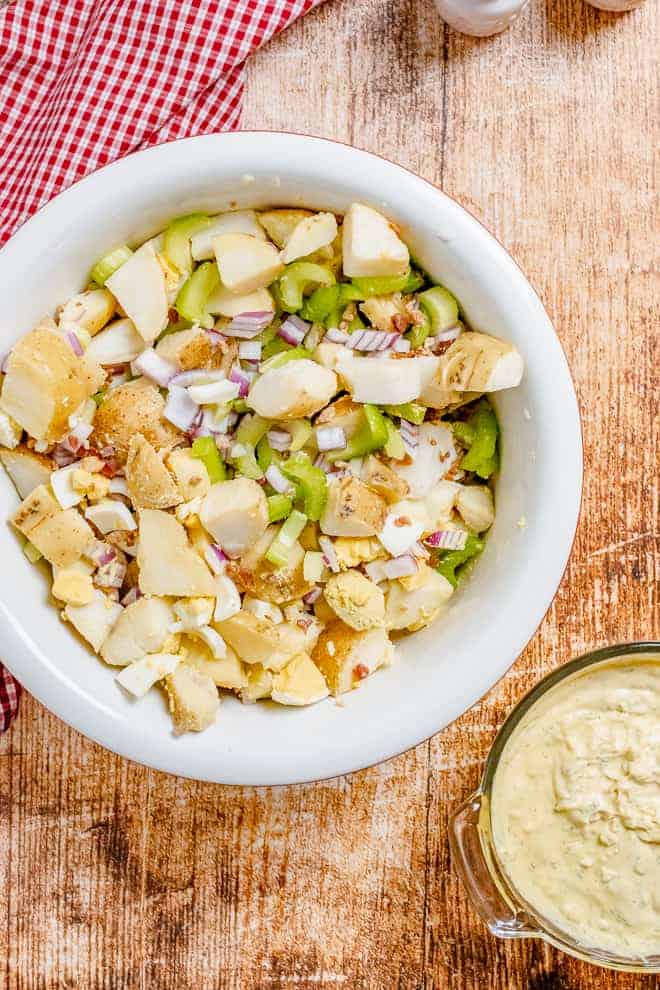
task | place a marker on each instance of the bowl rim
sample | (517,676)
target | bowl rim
(35,685)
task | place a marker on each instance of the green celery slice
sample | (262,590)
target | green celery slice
(452,559)
(394,446)
(279,551)
(176,240)
(278,360)
(194,294)
(371,435)
(381,285)
(204,448)
(296,280)
(312,482)
(109,263)
(440,307)
(279,507)
(413,412)
(484,445)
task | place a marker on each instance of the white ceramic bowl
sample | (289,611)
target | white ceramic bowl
(444,669)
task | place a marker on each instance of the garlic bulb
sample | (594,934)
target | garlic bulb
(482,18)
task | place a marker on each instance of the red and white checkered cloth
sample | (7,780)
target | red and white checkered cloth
(83,82)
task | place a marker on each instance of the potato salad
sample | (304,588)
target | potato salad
(255,450)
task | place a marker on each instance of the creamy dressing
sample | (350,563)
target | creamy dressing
(576,807)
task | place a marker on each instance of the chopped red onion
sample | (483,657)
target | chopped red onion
(197,376)
(293,330)
(375,570)
(4,361)
(447,539)
(275,478)
(331,438)
(62,456)
(336,336)
(74,341)
(131,596)
(180,409)
(242,379)
(248,325)
(401,346)
(312,596)
(419,550)
(155,367)
(442,338)
(410,437)
(215,337)
(322,462)
(249,350)
(400,566)
(216,558)
(100,553)
(279,440)
(111,574)
(371,340)
(329,553)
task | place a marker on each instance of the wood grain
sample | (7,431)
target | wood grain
(115,877)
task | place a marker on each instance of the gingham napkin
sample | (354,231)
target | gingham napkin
(83,82)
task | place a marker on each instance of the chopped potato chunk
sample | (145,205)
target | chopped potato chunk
(262,641)
(136,407)
(347,656)
(168,564)
(189,473)
(143,627)
(46,382)
(193,699)
(352,509)
(150,484)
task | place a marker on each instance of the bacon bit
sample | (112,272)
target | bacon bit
(304,624)
(172,315)
(402,521)
(360,672)
(112,468)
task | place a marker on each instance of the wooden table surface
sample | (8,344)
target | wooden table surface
(115,877)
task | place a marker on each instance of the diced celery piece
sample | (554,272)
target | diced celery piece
(246,464)
(265,454)
(414,281)
(279,507)
(176,240)
(292,354)
(204,448)
(313,565)
(440,307)
(99,396)
(372,434)
(275,346)
(464,432)
(452,559)
(298,277)
(109,263)
(479,457)
(381,285)
(394,446)
(194,294)
(357,323)
(419,333)
(251,429)
(313,486)
(414,412)
(300,430)
(321,303)
(239,405)
(279,551)
(31,552)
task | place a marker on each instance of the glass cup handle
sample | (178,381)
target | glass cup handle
(468,857)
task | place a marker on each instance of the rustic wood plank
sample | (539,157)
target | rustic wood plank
(120,878)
